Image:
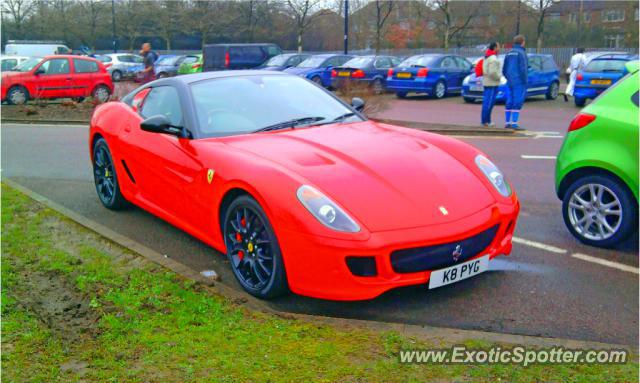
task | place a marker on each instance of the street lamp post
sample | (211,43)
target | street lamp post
(113,26)
(346,26)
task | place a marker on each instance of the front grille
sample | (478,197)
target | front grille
(441,256)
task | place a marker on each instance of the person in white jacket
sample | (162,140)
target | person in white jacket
(578,62)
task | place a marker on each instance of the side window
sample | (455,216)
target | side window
(9,64)
(137,59)
(549,65)
(293,61)
(448,63)
(55,66)
(62,50)
(273,51)
(124,59)
(535,63)
(395,61)
(253,54)
(382,63)
(163,100)
(334,61)
(462,63)
(634,98)
(341,60)
(85,66)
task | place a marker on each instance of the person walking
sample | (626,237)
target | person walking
(491,75)
(149,59)
(578,62)
(515,68)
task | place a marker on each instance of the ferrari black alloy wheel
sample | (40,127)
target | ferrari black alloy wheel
(253,250)
(105,177)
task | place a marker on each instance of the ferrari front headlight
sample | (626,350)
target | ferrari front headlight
(493,174)
(325,210)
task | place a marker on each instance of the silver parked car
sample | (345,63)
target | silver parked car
(121,65)
(7,63)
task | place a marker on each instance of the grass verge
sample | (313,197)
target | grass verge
(76,307)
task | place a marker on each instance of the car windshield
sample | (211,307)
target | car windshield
(606,65)
(312,62)
(358,62)
(423,61)
(167,60)
(27,65)
(238,105)
(278,60)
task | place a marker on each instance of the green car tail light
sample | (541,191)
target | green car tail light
(580,121)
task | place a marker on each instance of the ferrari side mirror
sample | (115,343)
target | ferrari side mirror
(161,124)
(358,104)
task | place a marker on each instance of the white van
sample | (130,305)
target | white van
(35,48)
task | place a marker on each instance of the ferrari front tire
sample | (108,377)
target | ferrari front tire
(253,249)
(105,177)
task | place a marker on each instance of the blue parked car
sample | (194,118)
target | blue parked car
(371,70)
(433,74)
(318,68)
(167,65)
(599,74)
(284,61)
(543,79)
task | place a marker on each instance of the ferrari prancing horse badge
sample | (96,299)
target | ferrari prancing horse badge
(210,174)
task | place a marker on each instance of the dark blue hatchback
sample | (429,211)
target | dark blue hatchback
(543,80)
(599,74)
(433,74)
(370,70)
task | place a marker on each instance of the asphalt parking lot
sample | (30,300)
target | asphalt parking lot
(551,285)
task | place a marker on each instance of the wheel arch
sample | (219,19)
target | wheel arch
(585,171)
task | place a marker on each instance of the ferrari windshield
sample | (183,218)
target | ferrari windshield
(245,104)
(27,65)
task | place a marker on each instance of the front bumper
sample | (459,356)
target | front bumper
(317,266)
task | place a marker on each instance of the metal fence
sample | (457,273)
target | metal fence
(562,56)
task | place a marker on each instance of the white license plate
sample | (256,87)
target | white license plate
(458,272)
(476,88)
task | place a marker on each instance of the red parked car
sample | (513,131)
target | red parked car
(57,77)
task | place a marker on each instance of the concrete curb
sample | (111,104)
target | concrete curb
(43,122)
(437,335)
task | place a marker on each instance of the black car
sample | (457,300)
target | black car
(237,56)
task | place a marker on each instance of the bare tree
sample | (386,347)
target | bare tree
(304,13)
(19,10)
(383,10)
(93,11)
(451,22)
(540,8)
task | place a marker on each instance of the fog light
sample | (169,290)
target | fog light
(362,266)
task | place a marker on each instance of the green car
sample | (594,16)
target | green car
(597,167)
(191,64)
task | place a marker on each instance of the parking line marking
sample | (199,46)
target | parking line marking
(539,245)
(604,262)
(532,157)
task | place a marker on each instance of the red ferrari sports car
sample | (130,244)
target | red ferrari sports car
(299,189)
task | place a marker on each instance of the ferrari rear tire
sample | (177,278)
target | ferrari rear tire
(253,249)
(105,177)
(17,95)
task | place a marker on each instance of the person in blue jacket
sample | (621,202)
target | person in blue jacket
(515,68)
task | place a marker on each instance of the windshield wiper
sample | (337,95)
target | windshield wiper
(339,118)
(289,124)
